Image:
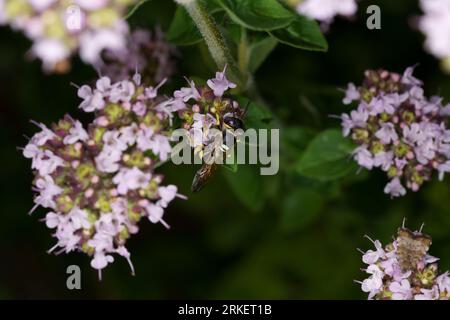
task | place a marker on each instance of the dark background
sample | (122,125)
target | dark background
(278,237)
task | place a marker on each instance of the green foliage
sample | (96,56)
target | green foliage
(269,21)
(259,15)
(135,8)
(300,208)
(247,186)
(257,116)
(183,31)
(303,33)
(260,51)
(327,157)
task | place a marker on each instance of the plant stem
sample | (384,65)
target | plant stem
(213,38)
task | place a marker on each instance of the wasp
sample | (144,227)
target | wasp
(230,121)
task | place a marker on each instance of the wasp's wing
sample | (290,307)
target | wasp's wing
(202,176)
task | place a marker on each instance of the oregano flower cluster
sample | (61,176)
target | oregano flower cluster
(207,108)
(403,270)
(145,52)
(398,129)
(99,181)
(58,28)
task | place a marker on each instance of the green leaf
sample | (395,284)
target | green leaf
(327,157)
(300,208)
(232,167)
(182,30)
(259,51)
(259,15)
(303,33)
(247,186)
(135,8)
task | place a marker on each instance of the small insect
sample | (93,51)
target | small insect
(412,246)
(230,121)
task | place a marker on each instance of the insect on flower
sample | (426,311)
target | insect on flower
(230,123)
(403,269)
(211,120)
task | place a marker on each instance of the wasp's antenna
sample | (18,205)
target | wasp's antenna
(246,109)
(360,251)
(421,227)
(73,84)
(403,223)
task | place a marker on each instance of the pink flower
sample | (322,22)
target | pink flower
(92,100)
(371,257)
(443,281)
(395,188)
(92,4)
(101,260)
(387,133)
(76,133)
(122,91)
(46,163)
(93,42)
(131,179)
(401,290)
(351,94)
(161,146)
(186,94)
(428,294)
(50,51)
(220,83)
(363,157)
(374,283)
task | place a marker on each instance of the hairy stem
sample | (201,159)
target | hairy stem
(213,38)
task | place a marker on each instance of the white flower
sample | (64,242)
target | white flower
(46,163)
(395,188)
(186,94)
(101,260)
(42,137)
(131,179)
(363,157)
(107,161)
(326,10)
(351,94)
(92,100)
(373,284)
(47,191)
(50,51)
(371,257)
(93,42)
(435,24)
(401,290)
(220,83)
(387,133)
(76,133)
(122,91)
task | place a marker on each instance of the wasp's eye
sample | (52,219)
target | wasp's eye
(234,123)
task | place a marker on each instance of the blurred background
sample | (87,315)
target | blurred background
(244,236)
